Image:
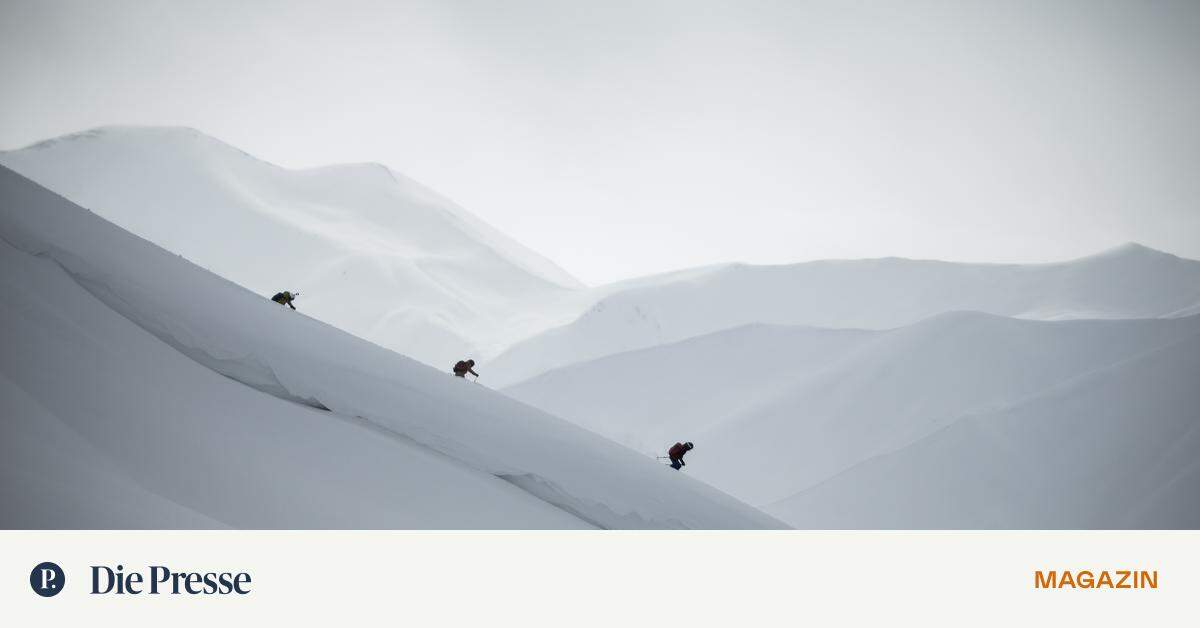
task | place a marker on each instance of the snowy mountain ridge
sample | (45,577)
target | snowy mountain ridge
(143,313)
(1129,281)
(389,260)
(1114,448)
(371,251)
(408,188)
(801,383)
(778,411)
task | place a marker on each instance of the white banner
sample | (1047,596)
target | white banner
(600,578)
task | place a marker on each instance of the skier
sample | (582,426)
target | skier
(676,454)
(465,366)
(285,298)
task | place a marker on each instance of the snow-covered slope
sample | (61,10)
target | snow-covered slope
(908,383)
(1131,281)
(370,251)
(776,410)
(141,390)
(105,426)
(1116,448)
(651,398)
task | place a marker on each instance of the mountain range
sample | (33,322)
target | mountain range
(150,371)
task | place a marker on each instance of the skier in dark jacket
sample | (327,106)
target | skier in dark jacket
(465,366)
(676,454)
(285,298)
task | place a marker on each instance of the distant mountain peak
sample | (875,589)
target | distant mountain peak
(110,131)
(1131,250)
(442,282)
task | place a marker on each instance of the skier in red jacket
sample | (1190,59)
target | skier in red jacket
(676,454)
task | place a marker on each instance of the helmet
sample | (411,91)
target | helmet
(471,362)
(689,446)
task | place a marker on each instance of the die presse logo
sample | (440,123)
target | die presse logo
(162,580)
(47,579)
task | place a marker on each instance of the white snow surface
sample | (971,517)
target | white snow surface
(777,412)
(1130,281)
(142,391)
(1116,448)
(370,251)
(650,398)
(841,394)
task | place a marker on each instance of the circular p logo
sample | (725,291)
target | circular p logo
(47,579)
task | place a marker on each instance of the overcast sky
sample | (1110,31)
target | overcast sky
(623,138)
